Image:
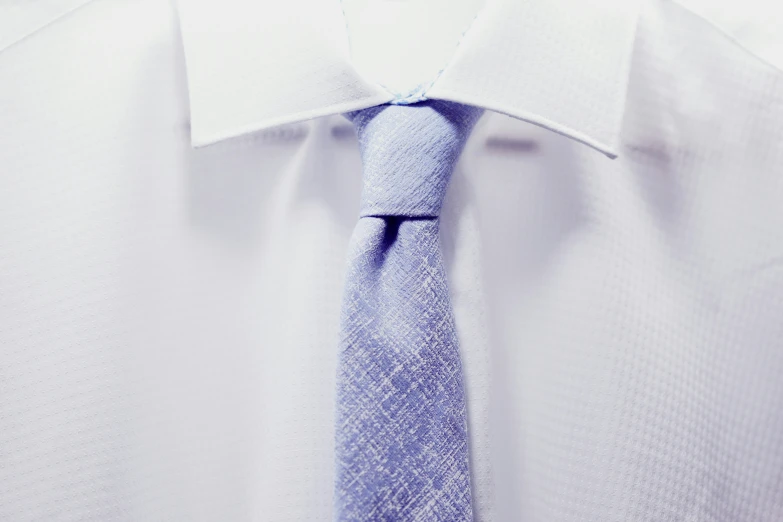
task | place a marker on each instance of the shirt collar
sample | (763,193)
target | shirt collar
(560,64)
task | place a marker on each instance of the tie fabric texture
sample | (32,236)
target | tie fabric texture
(401,431)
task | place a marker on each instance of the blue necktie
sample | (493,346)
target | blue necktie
(401,432)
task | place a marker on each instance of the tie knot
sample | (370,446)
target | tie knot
(409,153)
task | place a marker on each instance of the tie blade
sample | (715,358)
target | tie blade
(402,442)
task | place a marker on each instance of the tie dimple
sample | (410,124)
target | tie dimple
(401,430)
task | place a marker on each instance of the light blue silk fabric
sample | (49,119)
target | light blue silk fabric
(401,432)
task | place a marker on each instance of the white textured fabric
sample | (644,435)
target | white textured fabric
(562,64)
(386,39)
(752,23)
(619,320)
(22,18)
(256,64)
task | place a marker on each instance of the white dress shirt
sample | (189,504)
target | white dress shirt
(177,190)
